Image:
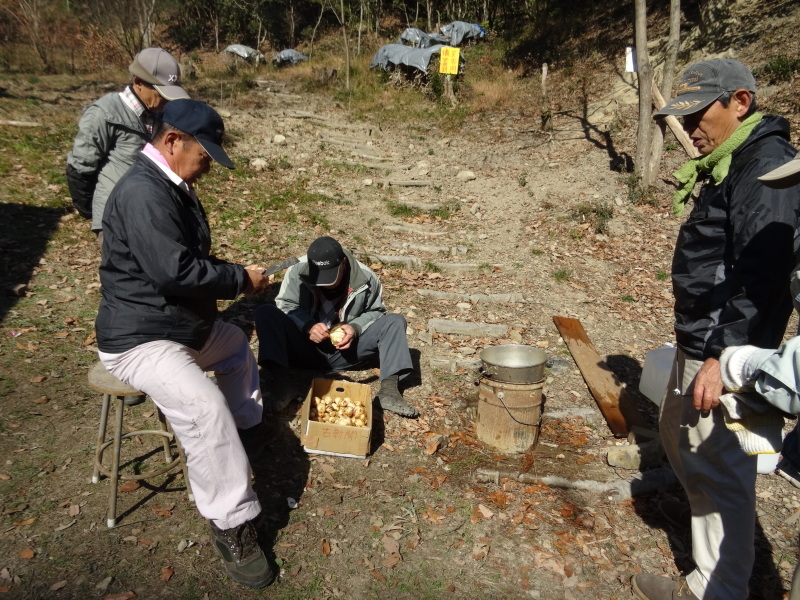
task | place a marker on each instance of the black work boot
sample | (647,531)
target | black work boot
(243,557)
(254,441)
(391,399)
(134,400)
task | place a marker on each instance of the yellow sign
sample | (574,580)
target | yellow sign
(448,60)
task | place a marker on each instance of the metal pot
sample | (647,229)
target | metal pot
(513,363)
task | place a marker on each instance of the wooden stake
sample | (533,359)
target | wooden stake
(674,125)
(612,399)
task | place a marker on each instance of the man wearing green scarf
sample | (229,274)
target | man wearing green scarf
(730,277)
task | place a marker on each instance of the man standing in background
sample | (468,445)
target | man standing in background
(115,128)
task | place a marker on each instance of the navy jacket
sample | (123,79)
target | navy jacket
(158,280)
(736,251)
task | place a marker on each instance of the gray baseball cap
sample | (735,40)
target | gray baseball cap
(703,82)
(157,67)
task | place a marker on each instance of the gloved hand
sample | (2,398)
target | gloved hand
(735,369)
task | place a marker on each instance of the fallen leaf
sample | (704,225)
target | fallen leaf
(377,575)
(66,525)
(167,573)
(487,514)
(295,571)
(120,596)
(451,588)
(26,553)
(433,445)
(58,585)
(326,548)
(61,334)
(38,379)
(74,510)
(4,477)
(392,545)
(26,521)
(129,486)
(392,560)
(4,589)
(586,459)
(165,511)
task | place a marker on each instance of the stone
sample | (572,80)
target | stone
(258,164)
(639,457)
(279,139)
(366,182)
(466,176)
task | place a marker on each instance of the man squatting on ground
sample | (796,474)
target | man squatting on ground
(115,128)
(774,374)
(329,287)
(730,277)
(157,328)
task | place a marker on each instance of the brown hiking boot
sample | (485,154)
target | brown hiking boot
(244,559)
(657,587)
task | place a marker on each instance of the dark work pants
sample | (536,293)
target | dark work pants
(282,343)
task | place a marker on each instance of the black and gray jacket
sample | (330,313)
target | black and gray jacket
(735,253)
(362,307)
(110,135)
(158,280)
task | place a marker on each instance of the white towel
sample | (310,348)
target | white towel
(757,432)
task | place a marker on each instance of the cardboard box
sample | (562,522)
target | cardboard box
(338,440)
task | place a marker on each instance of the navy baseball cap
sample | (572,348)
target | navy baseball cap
(325,256)
(703,82)
(202,122)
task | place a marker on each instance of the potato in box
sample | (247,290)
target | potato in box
(333,438)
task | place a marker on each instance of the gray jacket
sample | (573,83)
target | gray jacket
(110,135)
(363,306)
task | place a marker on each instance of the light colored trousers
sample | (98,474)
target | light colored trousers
(203,414)
(719,479)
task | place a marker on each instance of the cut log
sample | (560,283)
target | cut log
(19,123)
(675,126)
(612,399)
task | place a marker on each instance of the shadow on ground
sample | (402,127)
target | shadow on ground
(24,234)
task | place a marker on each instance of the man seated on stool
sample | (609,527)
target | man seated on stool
(329,287)
(157,327)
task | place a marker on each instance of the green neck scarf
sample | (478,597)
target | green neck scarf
(717,163)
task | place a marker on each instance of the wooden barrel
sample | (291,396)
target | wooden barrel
(509,414)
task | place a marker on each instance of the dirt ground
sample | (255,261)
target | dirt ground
(415,519)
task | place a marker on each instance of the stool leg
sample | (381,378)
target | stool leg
(112,505)
(101,437)
(185,469)
(164,440)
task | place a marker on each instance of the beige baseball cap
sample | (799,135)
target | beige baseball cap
(157,67)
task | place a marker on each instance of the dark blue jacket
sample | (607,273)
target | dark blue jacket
(158,280)
(736,251)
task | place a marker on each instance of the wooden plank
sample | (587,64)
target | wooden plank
(675,126)
(612,399)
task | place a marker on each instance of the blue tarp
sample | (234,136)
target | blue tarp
(391,55)
(246,52)
(289,56)
(459,31)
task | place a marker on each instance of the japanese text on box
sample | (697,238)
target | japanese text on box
(448,60)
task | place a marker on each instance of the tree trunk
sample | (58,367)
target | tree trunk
(346,48)
(360,25)
(670,58)
(314,33)
(642,164)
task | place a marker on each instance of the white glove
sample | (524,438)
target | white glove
(734,367)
